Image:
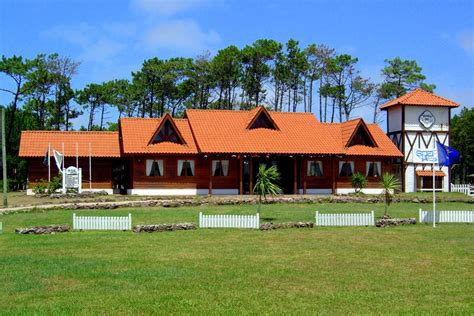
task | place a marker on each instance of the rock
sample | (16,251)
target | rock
(272,226)
(163,227)
(384,222)
(39,230)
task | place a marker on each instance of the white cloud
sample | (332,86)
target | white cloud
(182,35)
(95,43)
(165,7)
(466,40)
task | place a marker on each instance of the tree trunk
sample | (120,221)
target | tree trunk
(333,109)
(304,95)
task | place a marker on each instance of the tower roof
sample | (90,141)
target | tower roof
(420,97)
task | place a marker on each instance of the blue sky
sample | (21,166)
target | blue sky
(113,38)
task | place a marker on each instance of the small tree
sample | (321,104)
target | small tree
(359,181)
(391,185)
(266,183)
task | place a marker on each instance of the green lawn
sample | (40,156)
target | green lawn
(365,270)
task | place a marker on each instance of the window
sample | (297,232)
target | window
(167,133)
(346,168)
(373,168)
(154,168)
(362,137)
(315,168)
(220,168)
(185,168)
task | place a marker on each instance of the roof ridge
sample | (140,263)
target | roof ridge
(70,132)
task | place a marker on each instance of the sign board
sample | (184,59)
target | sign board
(425,156)
(72,179)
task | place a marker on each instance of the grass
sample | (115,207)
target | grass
(366,270)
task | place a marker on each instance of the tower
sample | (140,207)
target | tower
(415,121)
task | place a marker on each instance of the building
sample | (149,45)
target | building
(415,121)
(218,152)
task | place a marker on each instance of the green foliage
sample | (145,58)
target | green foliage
(266,183)
(462,139)
(40,187)
(401,76)
(390,185)
(358,181)
(55,184)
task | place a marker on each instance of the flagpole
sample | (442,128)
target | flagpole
(77,156)
(62,169)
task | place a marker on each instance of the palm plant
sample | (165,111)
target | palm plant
(390,185)
(359,181)
(266,183)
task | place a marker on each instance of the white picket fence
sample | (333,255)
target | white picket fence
(342,219)
(229,221)
(463,188)
(102,222)
(447,216)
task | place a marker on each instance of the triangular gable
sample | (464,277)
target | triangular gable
(167,132)
(361,136)
(262,119)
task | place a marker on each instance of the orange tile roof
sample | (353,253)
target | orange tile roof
(103,144)
(429,173)
(225,131)
(420,97)
(385,147)
(136,134)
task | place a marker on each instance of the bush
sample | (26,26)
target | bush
(40,187)
(359,181)
(55,184)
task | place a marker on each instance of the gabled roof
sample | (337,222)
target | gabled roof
(103,144)
(261,112)
(420,97)
(167,118)
(225,131)
(136,134)
(384,146)
(351,128)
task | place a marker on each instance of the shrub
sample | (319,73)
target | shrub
(359,181)
(40,187)
(55,184)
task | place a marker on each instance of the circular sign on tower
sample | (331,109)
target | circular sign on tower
(426,119)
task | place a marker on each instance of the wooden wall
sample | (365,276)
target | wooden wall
(331,169)
(170,178)
(101,171)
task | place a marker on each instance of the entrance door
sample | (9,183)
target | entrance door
(119,176)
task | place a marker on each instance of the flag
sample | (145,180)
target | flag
(447,156)
(46,160)
(58,157)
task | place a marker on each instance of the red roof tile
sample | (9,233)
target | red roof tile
(420,97)
(225,131)
(103,144)
(384,146)
(429,173)
(136,134)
